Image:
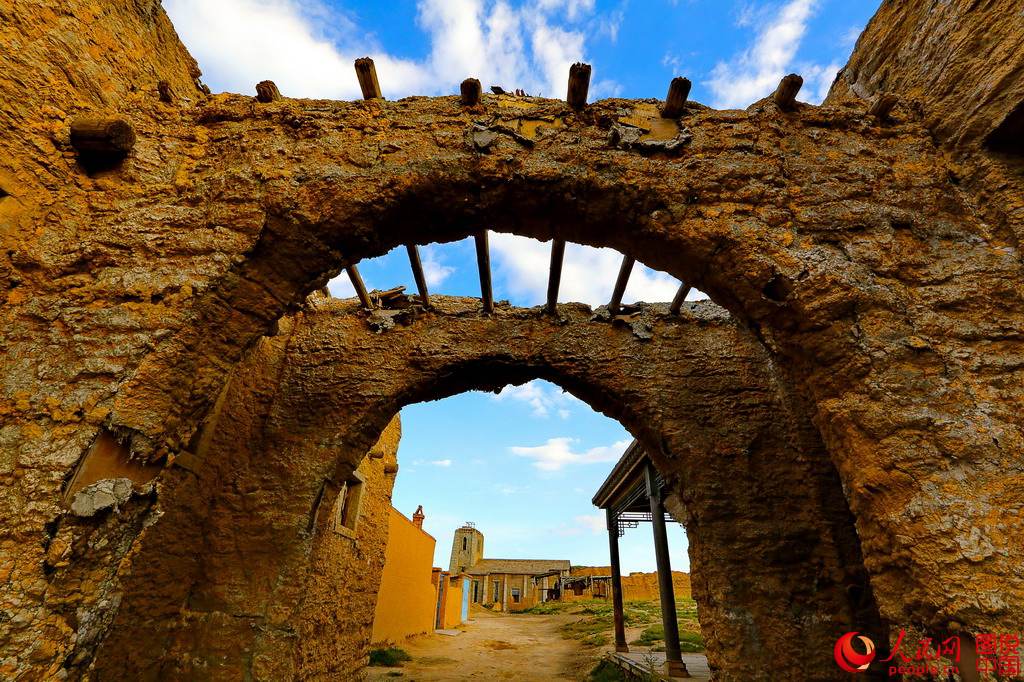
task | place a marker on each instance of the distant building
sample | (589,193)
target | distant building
(507,584)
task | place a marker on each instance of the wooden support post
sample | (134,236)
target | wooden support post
(673,655)
(96,135)
(357,284)
(785,94)
(579,84)
(483,261)
(677,302)
(555,274)
(613,550)
(470,91)
(620,284)
(366,72)
(266,91)
(882,106)
(675,100)
(417,273)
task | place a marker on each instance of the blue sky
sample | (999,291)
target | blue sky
(522,465)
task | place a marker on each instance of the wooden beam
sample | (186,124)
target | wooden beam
(617,612)
(470,92)
(785,94)
(94,134)
(673,655)
(883,105)
(417,273)
(675,100)
(357,284)
(620,284)
(555,275)
(366,72)
(677,302)
(579,84)
(266,91)
(483,261)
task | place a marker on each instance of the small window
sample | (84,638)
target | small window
(515,595)
(463,543)
(346,516)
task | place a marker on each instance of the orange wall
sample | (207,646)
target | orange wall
(638,586)
(407,597)
(452,612)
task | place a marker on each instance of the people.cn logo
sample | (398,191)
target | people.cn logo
(848,658)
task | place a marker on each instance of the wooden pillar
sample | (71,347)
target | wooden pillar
(579,85)
(98,135)
(555,275)
(677,302)
(357,284)
(417,273)
(483,261)
(469,92)
(613,551)
(785,94)
(673,656)
(366,72)
(620,284)
(675,101)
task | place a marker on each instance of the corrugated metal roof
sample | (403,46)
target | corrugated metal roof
(518,566)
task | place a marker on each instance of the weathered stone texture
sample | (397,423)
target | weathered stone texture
(877,261)
(700,393)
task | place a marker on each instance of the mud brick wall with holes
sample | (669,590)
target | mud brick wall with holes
(869,246)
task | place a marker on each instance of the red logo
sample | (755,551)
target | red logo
(848,658)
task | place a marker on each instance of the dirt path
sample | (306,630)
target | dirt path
(496,647)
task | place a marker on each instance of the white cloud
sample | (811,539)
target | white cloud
(595,523)
(341,287)
(308,49)
(755,72)
(557,453)
(543,399)
(849,38)
(588,275)
(442,463)
(434,270)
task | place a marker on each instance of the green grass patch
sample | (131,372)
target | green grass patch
(389,657)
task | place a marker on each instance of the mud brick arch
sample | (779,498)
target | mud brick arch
(775,555)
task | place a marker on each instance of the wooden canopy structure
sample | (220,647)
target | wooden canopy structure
(633,492)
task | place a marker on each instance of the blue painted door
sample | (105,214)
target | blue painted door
(465,599)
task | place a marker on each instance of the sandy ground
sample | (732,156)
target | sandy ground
(496,647)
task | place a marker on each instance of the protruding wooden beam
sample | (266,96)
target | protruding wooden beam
(357,284)
(883,105)
(417,273)
(675,100)
(483,261)
(620,284)
(266,91)
(366,72)
(785,94)
(555,275)
(470,91)
(579,84)
(98,135)
(677,301)
(163,88)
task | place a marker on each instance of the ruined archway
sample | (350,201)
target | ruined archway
(770,531)
(882,274)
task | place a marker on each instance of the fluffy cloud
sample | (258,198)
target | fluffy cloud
(442,463)
(308,48)
(521,268)
(595,523)
(542,398)
(755,72)
(557,453)
(434,269)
